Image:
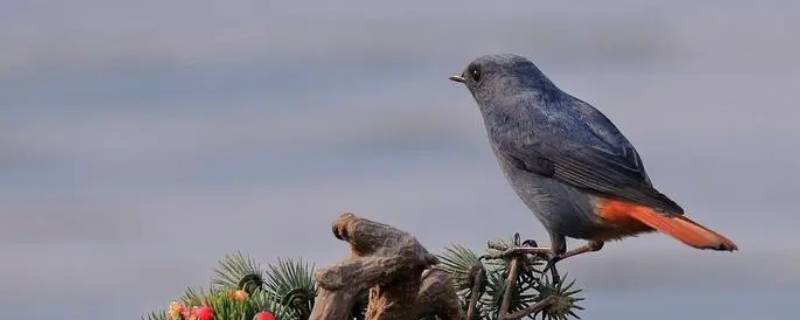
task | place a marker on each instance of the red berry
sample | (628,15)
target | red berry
(205,313)
(264,315)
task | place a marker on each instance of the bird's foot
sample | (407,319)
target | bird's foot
(591,246)
(523,249)
(551,266)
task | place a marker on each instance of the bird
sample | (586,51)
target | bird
(570,164)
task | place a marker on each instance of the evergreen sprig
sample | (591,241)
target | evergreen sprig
(241,287)
(226,308)
(293,282)
(238,271)
(462,264)
(565,304)
(532,285)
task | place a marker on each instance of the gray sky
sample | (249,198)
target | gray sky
(141,141)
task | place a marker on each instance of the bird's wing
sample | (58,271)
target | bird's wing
(592,155)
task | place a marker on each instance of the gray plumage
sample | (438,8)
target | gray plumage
(559,153)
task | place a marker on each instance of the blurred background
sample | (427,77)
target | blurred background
(140,141)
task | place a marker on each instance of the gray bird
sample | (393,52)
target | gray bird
(569,164)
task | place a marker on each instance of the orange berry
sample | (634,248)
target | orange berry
(176,310)
(240,295)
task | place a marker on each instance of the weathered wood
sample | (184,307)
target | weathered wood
(478,275)
(437,296)
(390,263)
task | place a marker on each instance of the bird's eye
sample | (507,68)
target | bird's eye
(475,74)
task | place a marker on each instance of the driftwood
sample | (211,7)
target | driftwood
(403,280)
(393,266)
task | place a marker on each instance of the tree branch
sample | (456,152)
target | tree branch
(511,284)
(478,287)
(539,306)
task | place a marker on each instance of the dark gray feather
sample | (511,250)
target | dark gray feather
(592,155)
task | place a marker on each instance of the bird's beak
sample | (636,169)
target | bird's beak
(457,78)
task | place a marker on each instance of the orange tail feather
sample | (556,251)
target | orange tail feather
(683,229)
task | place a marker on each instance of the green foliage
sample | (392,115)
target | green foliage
(459,261)
(532,285)
(565,300)
(192,297)
(238,271)
(241,287)
(288,283)
(227,308)
(293,282)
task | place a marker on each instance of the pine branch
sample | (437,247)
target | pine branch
(506,283)
(238,271)
(293,283)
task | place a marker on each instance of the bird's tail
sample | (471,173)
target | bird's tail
(683,229)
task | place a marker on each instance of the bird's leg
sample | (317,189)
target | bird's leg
(551,265)
(558,244)
(590,246)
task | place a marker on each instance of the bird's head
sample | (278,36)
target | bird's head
(496,77)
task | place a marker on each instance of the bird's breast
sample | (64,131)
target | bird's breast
(561,208)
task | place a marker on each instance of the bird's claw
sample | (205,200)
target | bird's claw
(551,266)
